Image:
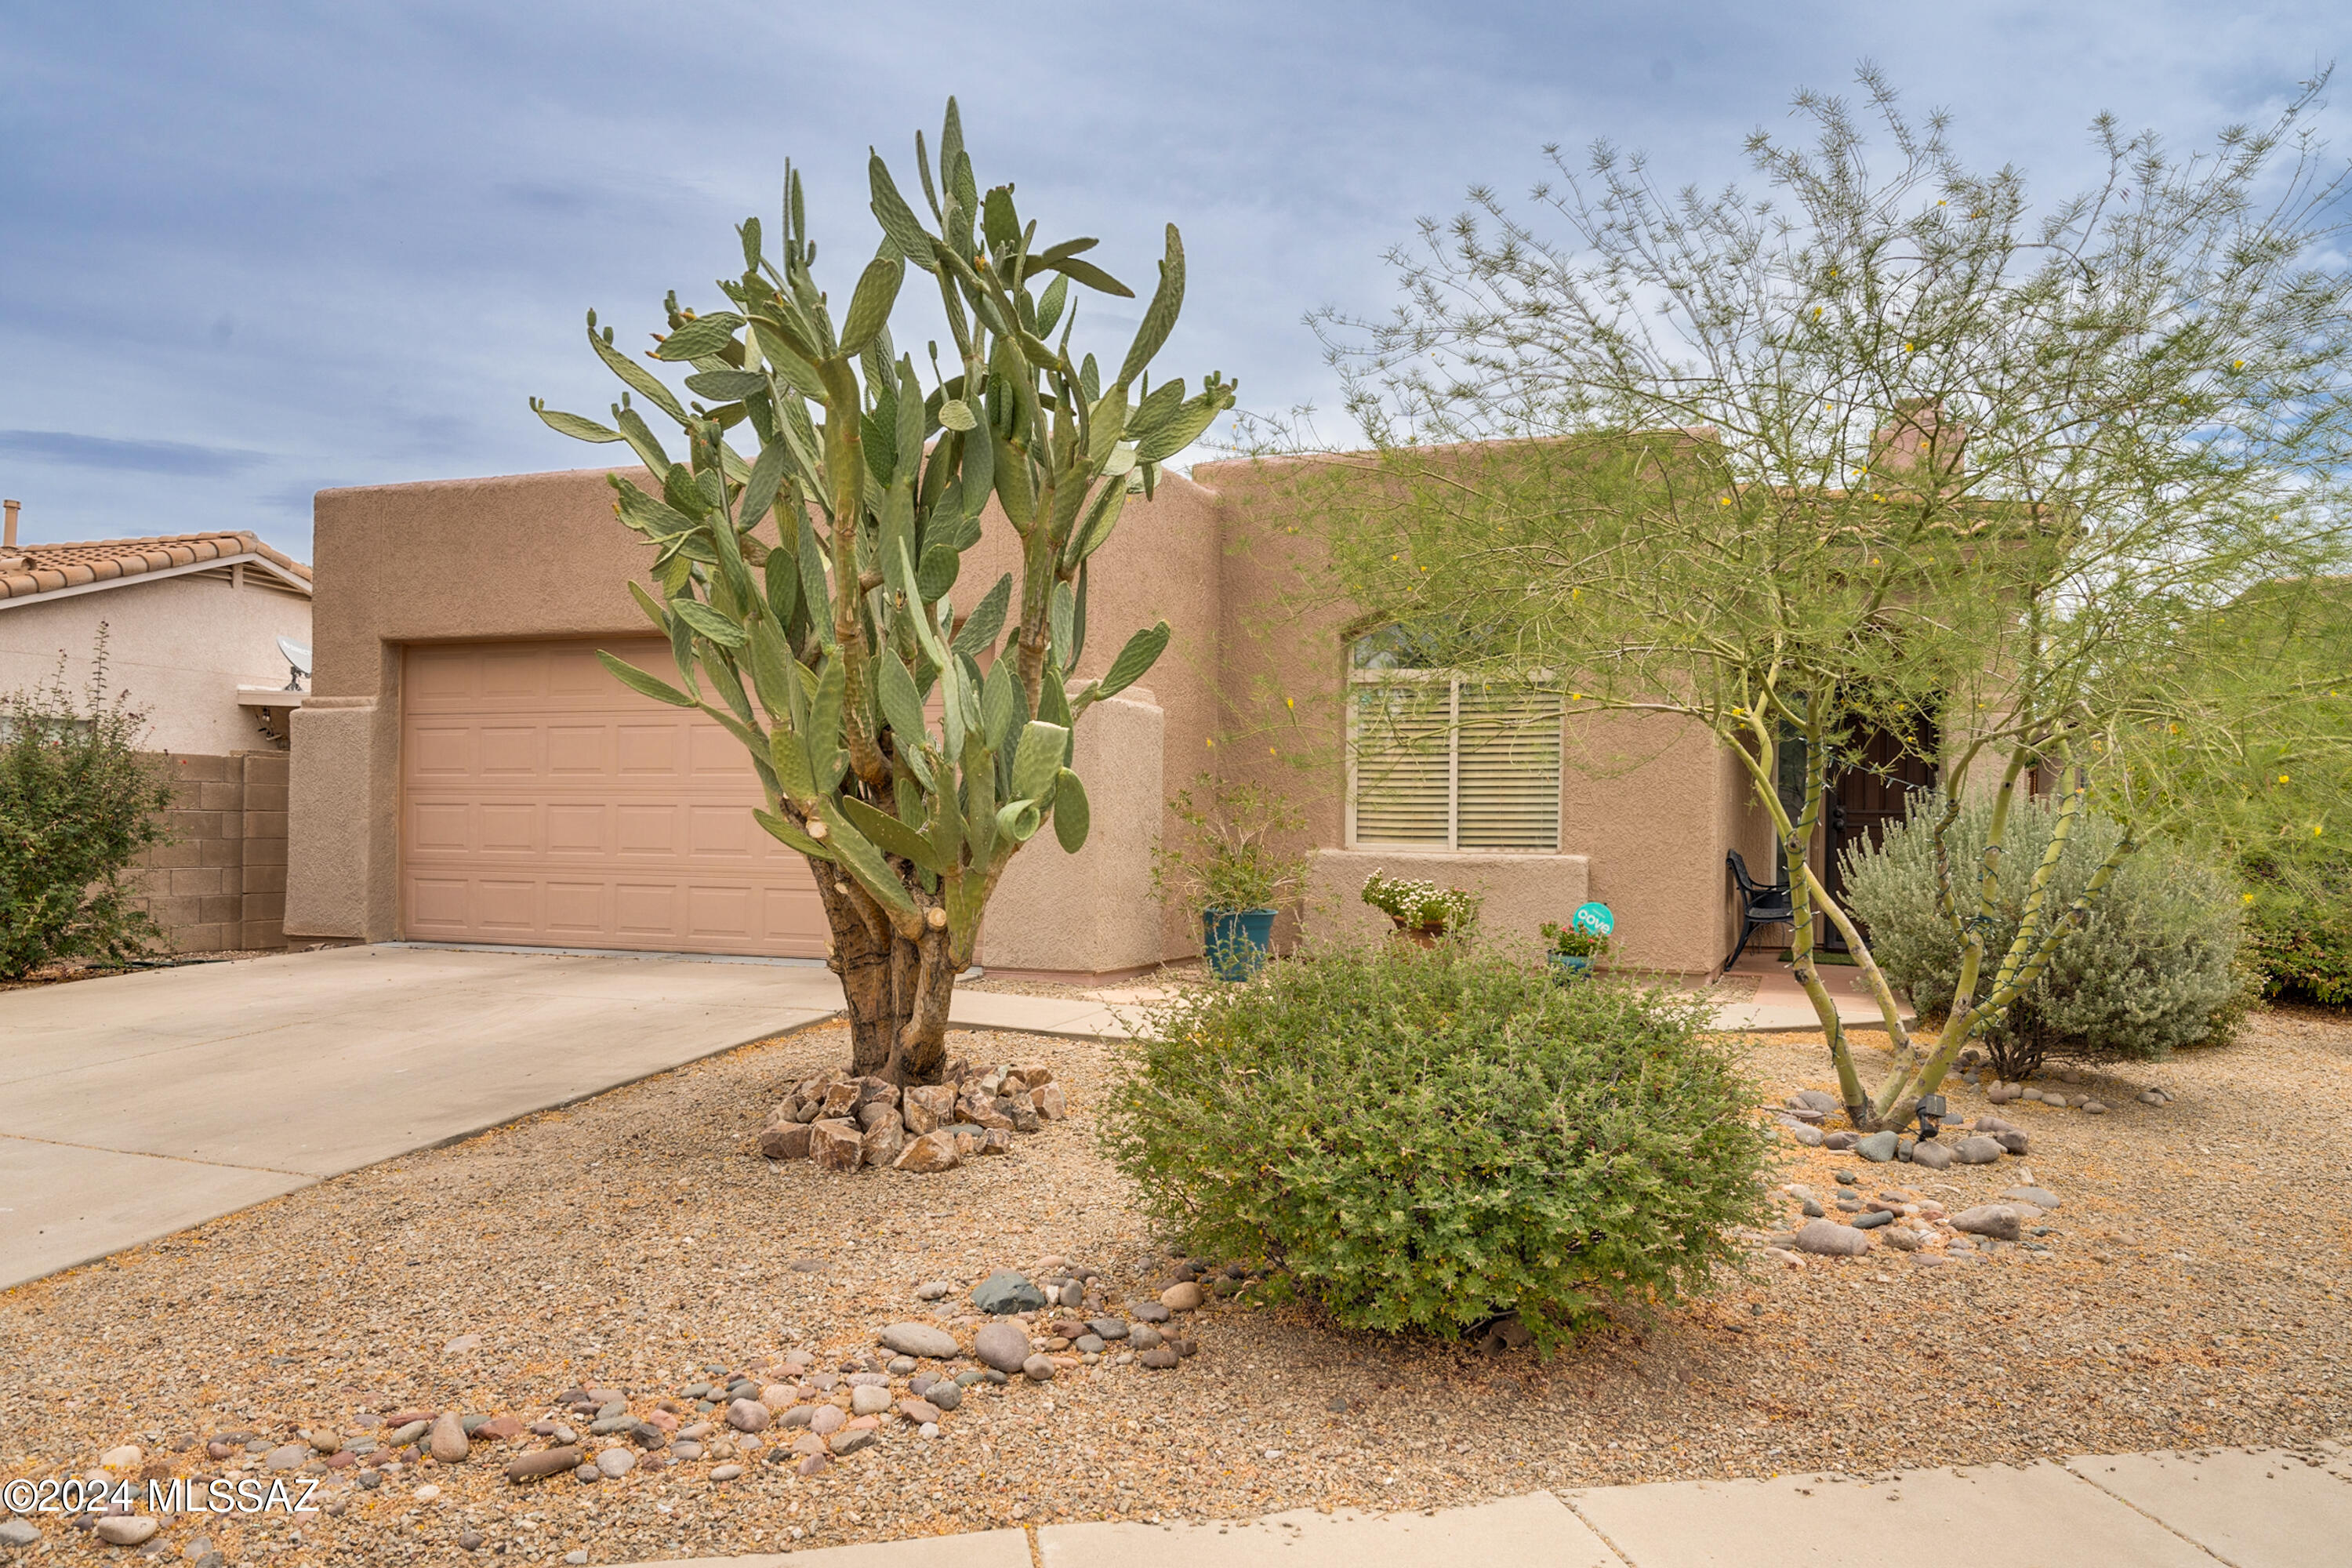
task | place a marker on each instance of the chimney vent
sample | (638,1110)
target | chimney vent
(9,543)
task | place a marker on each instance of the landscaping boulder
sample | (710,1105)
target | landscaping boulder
(1878,1148)
(1975,1152)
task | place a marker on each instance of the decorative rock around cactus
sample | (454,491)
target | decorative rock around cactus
(836,1145)
(1975,1152)
(1007,1290)
(883,1144)
(929,1107)
(928,1155)
(1051,1103)
(1878,1148)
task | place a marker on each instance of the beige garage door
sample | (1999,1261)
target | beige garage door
(542,802)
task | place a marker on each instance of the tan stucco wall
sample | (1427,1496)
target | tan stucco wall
(1092,913)
(541,555)
(1251,687)
(1521,892)
(179,646)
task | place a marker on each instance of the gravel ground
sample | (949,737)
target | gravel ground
(2194,1293)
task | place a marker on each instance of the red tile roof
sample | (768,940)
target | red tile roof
(44,568)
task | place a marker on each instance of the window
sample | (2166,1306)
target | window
(1440,761)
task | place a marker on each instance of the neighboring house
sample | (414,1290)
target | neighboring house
(465,771)
(193,623)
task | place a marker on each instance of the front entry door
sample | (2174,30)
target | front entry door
(1867,794)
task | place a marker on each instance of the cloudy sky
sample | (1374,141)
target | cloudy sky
(250,251)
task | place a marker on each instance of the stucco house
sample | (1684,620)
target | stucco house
(464,770)
(193,623)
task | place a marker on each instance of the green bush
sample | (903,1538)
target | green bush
(2156,968)
(1424,1140)
(2299,927)
(77,804)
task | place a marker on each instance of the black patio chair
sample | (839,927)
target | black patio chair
(1758,906)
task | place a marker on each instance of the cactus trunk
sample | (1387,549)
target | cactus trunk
(898,989)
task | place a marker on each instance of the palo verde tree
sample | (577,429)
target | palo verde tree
(1883,450)
(808,580)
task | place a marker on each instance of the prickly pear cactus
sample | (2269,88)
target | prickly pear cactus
(808,544)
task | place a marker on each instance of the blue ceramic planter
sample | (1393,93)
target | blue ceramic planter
(1236,942)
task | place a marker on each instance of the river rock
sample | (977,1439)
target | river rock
(2039,1197)
(1976,1151)
(1182,1297)
(1007,1290)
(1038,1369)
(448,1446)
(128,1529)
(920,1339)
(1933,1153)
(1815,1100)
(546,1462)
(1996,1220)
(749,1416)
(1003,1346)
(1840,1141)
(1830,1239)
(2014,1142)
(1160,1358)
(1878,1148)
(614,1463)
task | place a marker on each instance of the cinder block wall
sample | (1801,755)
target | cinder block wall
(221,883)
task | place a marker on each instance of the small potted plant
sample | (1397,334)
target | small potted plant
(1571,949)
(1423,911)
(1223,867)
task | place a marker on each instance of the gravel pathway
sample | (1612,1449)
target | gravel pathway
(2193,1292)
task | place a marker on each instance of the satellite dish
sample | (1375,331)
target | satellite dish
(298,662)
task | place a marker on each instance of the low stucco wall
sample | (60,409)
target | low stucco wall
(1092,913)
(1522,891)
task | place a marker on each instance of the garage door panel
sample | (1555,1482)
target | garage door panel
(650,751)
(544,803)
(579,751)
(509,828)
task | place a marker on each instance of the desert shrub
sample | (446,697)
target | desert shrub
(1425,1140)
(2299,926)
(77,804)
(2155,968)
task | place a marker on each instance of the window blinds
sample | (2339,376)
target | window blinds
(1455,765)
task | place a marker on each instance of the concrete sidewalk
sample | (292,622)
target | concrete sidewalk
(138,1105)
(2241,1509)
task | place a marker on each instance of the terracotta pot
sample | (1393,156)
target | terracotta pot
(1427,936)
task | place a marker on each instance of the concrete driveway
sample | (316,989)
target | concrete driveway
(135,1106)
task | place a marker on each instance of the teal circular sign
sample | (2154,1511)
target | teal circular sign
(1593,919)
